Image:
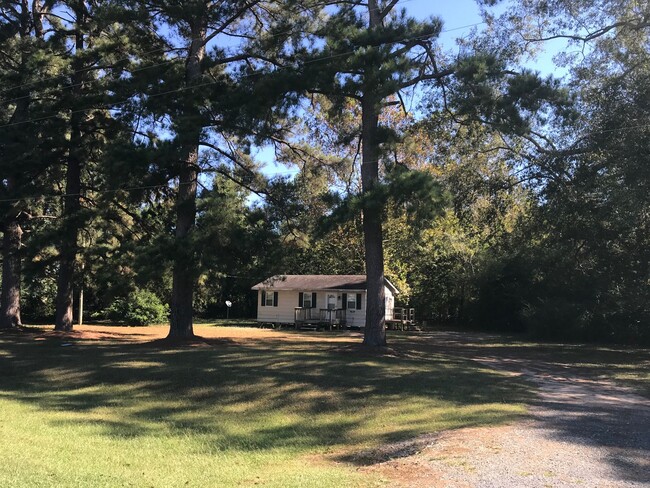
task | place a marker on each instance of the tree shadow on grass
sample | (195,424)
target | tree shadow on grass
(577,403)
(588,360)
(255,394)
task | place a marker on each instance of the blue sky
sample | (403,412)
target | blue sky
(455,15)
(459,17)
(459,13)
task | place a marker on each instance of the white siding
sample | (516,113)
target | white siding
(353,317)
(390,303)
(288,301)
(283,313)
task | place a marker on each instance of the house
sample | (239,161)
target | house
(316,300)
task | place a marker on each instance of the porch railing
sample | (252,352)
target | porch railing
(302,314)
(402,314)
(333,316)
(330,316)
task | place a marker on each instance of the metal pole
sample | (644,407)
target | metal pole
(81,297)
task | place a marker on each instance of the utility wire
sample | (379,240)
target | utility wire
(129,58)
(272,175)
(169,61)
(64,195)
(209,83)
(117,190)
(139,188)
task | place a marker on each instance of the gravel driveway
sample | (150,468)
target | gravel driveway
(582,431)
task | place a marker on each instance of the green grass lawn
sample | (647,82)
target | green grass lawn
(228,322)
(626,365)
(246,412)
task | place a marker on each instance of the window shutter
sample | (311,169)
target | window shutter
(300,300)
(263,298)
(358,301)
(313,300)
(275,298)
(344,299)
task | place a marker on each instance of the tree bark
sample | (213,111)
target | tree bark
(68,247)
(375,330)
(184,274)
(11,275)
(12,239)
(64,318)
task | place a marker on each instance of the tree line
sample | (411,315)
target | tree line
(134,139)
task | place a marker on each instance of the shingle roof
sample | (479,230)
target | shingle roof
(317,282)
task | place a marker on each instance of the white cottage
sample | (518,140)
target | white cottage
(303,300)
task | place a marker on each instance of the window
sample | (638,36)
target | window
(352,302)
(306,299)
(269,298)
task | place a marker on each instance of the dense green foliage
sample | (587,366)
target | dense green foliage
(133,158)
(140,307)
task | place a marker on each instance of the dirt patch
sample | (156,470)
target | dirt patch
(521,455)
(205,335)
(583,431)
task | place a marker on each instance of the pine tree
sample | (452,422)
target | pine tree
(374,51)
(99,38)
(218,105)
(25,57)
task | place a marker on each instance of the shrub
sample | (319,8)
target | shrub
(140,307)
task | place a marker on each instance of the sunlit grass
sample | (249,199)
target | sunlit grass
(264,412)
(226,322)
(626,365)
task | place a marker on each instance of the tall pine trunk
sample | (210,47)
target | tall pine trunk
(375,330)
(184,274)
(68,249)
(68,246)
(12,231)
(11,274)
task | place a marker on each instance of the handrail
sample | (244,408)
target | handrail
(404,314)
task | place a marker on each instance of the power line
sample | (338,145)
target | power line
(272,175)
(124,189)
(74,85)
(322,58)
(144,68)
(209,83)
(128,58)
(65,195)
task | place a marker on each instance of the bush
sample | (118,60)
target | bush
(140,307)
(501,288)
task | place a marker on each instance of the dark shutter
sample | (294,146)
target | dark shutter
(358,301)
(300,300)
(275,298)
(263,298)
(313,300)
(344,298)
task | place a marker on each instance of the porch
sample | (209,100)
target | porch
(400,318)
(314,318)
